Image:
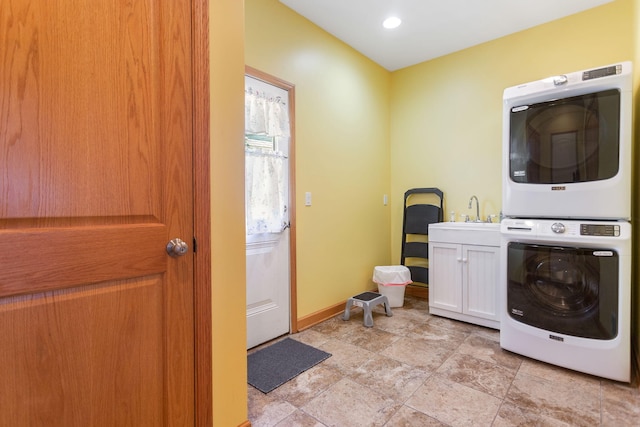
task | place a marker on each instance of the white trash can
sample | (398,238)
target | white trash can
(392,281)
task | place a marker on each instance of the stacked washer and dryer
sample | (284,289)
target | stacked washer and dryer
(566,232)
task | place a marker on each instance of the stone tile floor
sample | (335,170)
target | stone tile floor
(414,369)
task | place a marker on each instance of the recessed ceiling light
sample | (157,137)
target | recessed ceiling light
(392,22)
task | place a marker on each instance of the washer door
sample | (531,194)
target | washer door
(571,291)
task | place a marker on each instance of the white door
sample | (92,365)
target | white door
(445,276)
(267,144)
(481,298)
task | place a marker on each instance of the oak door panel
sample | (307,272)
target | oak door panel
(96,319)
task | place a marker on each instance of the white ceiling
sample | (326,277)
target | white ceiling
(430,28)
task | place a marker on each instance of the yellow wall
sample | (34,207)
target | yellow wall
(227,211)
(446,114)
(342,151)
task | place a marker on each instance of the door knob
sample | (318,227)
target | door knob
(177,247)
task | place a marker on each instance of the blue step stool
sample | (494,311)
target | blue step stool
(367,300)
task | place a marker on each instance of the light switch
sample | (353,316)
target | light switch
(307,198)
(385,200)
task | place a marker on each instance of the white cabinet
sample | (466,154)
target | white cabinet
(463,276)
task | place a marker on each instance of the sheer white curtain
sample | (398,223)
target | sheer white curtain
(265,189)
(265,198)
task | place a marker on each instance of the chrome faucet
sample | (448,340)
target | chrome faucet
(477,207)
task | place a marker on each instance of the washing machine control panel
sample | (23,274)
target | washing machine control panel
(560,229)
(563,229)
(609,230)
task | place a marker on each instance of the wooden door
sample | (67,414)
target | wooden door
(96,319)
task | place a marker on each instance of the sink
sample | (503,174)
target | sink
(468,233)
(467,225)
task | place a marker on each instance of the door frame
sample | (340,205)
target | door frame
(202,213)
(291,89)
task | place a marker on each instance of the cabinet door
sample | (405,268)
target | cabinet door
(480,285)
(445,276)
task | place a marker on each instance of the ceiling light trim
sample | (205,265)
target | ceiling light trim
(391,22)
